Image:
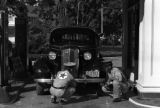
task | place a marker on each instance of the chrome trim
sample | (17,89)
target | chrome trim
(93,80)
(43,80)
(70,55)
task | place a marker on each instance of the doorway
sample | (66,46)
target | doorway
(131,37)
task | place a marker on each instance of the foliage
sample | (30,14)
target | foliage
(2,4)
(45,15)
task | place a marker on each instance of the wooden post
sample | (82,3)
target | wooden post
(130,37)
(102,17)
(21,43)
(4,49)
(4,96)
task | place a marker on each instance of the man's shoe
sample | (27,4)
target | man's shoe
(63,101)
(116,99)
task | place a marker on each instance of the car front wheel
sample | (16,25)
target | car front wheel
(99,91)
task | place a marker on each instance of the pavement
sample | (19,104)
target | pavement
(111,53)
(134,100)
(107,51)
(19,97)
(147,103)
(15,89)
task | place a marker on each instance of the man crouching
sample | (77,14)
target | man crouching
(118,81)
(62,87)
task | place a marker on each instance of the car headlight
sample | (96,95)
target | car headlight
(52,55)
(87,55)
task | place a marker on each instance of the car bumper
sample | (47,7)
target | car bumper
(91,80)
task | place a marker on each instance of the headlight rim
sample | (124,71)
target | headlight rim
(88,53)
(52,56)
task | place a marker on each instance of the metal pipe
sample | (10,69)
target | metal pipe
(78,11)
(102,17)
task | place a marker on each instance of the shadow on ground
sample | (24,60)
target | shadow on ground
(30,88)
(81,98)
(16,88)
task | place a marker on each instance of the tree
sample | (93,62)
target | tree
(45,15)
(3,4)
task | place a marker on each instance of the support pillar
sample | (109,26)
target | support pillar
(130,38)
(148,83)
(4,96)
(21,45)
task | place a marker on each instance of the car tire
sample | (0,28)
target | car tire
(81,89)
(99,91)
(39,89)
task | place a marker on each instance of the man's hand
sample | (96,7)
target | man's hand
(109,83)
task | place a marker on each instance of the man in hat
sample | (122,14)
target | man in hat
(117,80)
(63,87)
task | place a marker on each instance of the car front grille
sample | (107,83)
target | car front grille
(70,60)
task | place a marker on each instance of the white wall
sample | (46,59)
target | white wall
(149,48)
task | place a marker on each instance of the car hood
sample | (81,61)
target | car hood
(81,47)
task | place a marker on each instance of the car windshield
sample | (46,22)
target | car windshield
(78,38)
(73,35)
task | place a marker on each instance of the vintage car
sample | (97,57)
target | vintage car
(75,49)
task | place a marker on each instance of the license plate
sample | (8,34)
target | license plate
(94,73)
